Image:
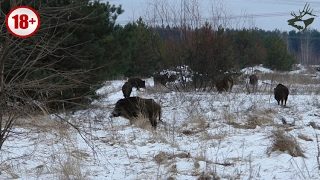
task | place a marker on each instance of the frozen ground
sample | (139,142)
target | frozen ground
(207,135)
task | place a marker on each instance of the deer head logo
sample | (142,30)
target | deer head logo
(298,18)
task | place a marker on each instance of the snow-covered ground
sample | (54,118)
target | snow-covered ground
(207,135)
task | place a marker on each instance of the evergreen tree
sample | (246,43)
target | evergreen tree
(249,47)
(277,54)
(65,61)
(138,44)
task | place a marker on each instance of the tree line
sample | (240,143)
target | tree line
(79,46)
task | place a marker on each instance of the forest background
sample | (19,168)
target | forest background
(79,46)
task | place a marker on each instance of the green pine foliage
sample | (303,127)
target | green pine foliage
(277,55)
(66,60)
(249,47)
(138,50)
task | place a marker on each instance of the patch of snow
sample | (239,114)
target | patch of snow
(256,69)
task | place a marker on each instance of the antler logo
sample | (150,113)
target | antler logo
(298,18)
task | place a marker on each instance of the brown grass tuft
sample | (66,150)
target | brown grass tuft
(260,119)
(304,137)
(160,158)
(195,125)
(142,122)
(240,126)
(286,142)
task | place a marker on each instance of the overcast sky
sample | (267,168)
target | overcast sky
(264,14)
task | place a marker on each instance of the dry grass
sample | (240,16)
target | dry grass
(160,158)
(12,172)
(261,118)
(142,122)
(298,83)
(69,168)
(252,120)
(298,78)
(304,137)
(285,143)
(64,159)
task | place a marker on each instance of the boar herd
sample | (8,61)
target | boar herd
(132,107)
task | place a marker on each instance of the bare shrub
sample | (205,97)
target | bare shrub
(285,142)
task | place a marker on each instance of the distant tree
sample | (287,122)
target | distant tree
(210,55)
(315,43)
(277,55)
(249,47)
(294,41)
(139,45)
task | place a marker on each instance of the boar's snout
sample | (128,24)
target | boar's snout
(114,114)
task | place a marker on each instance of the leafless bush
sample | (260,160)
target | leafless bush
(191,14)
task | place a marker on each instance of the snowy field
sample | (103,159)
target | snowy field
(207,135)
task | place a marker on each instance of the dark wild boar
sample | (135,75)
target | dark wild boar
(219,86)
(126,89)
(253,80)
(160,79)
(137,83)
(130,108)
(225,84)
(281,93)
(172,78)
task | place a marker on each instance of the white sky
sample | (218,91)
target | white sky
(267,14)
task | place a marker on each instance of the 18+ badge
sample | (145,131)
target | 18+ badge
(23,21)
